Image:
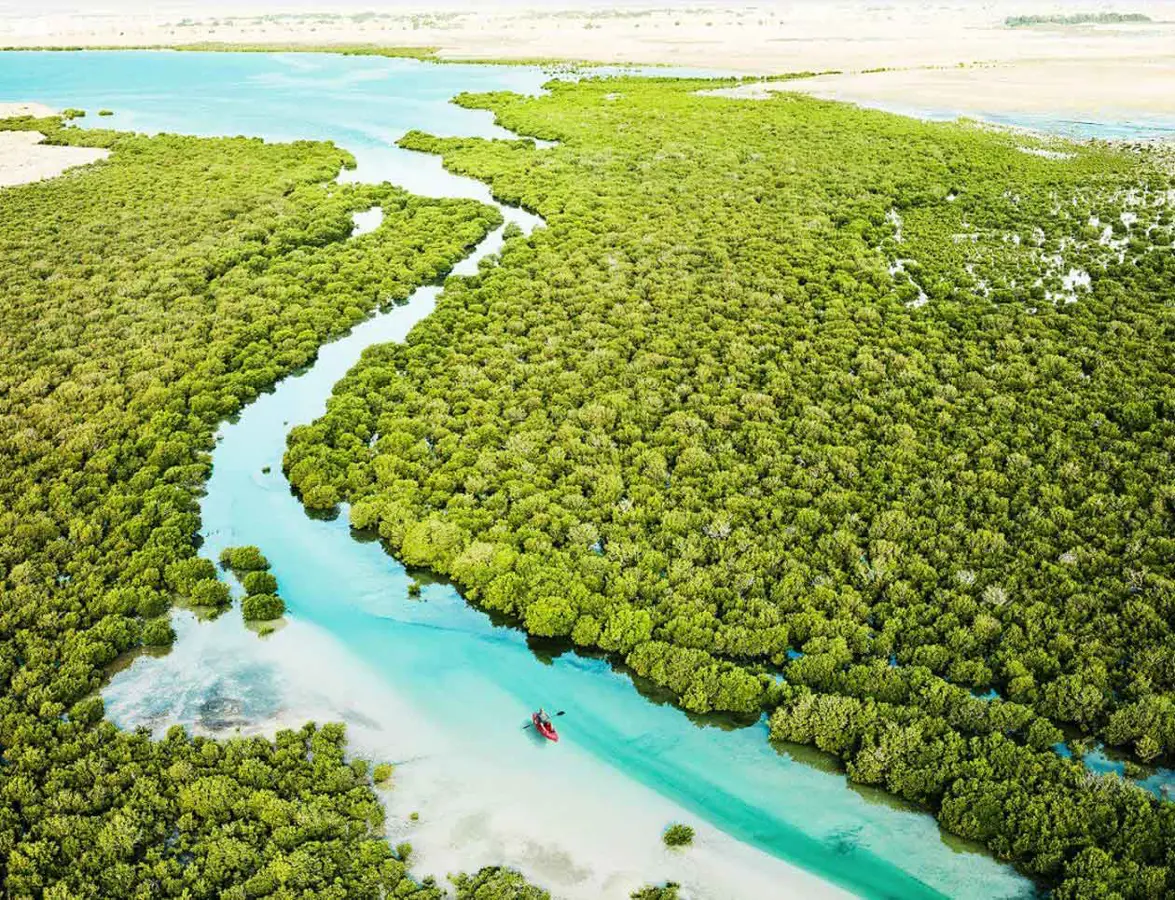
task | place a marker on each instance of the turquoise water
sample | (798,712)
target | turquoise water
(1159,781)
(433,683)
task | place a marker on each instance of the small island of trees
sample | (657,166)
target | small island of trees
(261,602)
(678,835)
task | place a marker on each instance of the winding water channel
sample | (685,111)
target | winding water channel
(432,683)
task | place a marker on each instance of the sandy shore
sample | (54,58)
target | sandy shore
(23,158)
(475,808)
(1097,89)
(1094,70)
(36,110)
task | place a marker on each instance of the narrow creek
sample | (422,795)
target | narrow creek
(432,683)
(436,686)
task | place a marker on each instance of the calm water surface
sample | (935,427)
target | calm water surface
(432,683)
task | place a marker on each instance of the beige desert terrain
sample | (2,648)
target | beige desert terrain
(957,55)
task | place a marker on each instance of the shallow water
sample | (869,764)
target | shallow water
(1158,781)
(1104,761)
(1133,128)
(432,683)
(367,221)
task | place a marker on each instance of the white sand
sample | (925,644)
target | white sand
(23,158)
(476,808)
(36,110)
(1093,70)
(1097,89)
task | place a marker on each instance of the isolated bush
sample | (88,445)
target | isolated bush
(678,835)
(243,559)
(262,607)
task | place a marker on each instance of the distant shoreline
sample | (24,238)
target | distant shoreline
(986,91)
(420,54)
(1116,62)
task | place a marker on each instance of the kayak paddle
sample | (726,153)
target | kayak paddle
(529,724)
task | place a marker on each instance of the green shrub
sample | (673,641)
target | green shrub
(158,632)
(259,582)
(105,112)
(667,891)
(381,773)
(678,835)
(496,883)
(210,592)
(184,574)
(243,559)
(262,607)
(88,710)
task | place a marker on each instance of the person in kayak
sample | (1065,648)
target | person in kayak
(544,719)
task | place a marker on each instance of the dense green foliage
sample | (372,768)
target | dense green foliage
(261,602)
(262,607)
(243,559)
(893,393)
(658,892)
(678,835)
(496,884)
(146,298)
(190,817)
(259,583)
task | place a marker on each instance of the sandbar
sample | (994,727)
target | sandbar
(599,839)
(24,159)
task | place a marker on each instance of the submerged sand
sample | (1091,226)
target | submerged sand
(476,808)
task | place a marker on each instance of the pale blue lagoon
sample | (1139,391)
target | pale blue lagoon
(432,683)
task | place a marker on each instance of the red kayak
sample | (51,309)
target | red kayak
(546,729)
